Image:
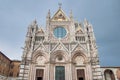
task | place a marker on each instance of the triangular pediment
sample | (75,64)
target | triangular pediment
(60,16)
(59,46)
(41,31)
(79,30)
(79,47)
(40,47)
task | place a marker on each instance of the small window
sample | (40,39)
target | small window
(39,38)
(17,74)
(11,74)
(87,29)
(12,65)
(80,38)
(76,38)
(89,36)
(32,29)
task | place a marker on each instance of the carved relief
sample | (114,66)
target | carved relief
(40,60)
(59,16)
(79,60)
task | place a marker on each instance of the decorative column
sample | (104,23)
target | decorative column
(32,70)
(88,71)
(73,71)
(70,71)
(52,71)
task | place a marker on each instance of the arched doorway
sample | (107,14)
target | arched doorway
(59,59)
(109,75)
(78,59)
(38,66)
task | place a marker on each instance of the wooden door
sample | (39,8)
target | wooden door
(80,74)
(39,74)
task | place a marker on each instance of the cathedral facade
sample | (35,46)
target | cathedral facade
(64,50)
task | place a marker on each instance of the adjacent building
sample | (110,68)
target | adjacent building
(9,69)
(111,73)
(14,69)
(4,66)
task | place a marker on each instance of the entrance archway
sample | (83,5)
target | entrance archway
(109,75)
(79,58)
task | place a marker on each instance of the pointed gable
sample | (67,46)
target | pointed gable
(41,31)
(40,47)
(59,46)
(79,31)
(60,16)
(79,47)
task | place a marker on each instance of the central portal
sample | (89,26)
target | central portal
(59,73)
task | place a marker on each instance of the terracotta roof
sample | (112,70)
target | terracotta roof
(4,55)
(16,60)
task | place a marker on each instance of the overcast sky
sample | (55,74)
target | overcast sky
(104,15)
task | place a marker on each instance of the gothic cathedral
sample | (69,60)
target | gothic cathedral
(65,50)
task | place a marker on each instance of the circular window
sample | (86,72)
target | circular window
(59,32)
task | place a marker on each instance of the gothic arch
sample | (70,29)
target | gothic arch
(40,53)
(76,54)
(109,75)
(62,53)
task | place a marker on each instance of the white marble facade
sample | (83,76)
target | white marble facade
(64,44)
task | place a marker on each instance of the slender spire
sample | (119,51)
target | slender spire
(85,21)
(35,21)
(48,15)
(49,12)
(71,15)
